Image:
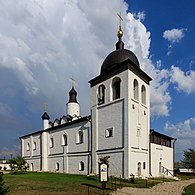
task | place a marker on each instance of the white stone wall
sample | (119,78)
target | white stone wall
(125,121)
(163,155)
(107,120)
(34,164)
(139,127)
(64,155)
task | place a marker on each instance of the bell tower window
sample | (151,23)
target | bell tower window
(135,90)
(143,92)
(116,88)
(101,94)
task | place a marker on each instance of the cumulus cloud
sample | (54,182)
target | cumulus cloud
(184,132)
(44,43)
(184,129)
(138,40)
(184,80)
(173,36)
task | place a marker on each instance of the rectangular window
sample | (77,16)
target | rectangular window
(144,165)
(109,132)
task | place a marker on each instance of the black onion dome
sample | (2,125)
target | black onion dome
(117,57)
(45,116)
(73,95)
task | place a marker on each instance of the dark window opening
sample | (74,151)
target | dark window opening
(116,88)
(101,94)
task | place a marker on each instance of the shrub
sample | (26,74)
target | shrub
(3,189)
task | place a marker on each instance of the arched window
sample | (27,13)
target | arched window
(31,167)
(57,166)
(135,90)
(80,137)
(81,166)
(64,140)
(28,146)
(34,146)
(101,94)
(139,168)
(51,143)
(116,88)
(143,91)
(160,167)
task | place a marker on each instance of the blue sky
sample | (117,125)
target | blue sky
(45,43)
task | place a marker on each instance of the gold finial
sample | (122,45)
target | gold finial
(45,106)
(120,32)
(73,81)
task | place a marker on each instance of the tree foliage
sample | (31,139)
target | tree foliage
(18,164)
(189,159)
(3,189)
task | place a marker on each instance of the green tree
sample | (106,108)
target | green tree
(18,164)
(3,189)
(189,159)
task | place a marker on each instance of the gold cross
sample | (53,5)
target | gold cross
(120,18)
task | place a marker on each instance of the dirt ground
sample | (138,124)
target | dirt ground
(166,188)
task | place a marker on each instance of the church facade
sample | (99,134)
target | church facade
(118,127)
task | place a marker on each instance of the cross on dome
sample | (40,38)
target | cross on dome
(120,32)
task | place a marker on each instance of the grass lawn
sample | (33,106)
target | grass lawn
(189,190)
(57,184)
(51,183)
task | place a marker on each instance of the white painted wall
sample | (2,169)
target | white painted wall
(64,155)
(161,154)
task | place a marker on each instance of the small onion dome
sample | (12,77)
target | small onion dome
(45,116)
(73,95)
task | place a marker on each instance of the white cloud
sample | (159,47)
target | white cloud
(174,35)
(184,132)
(44,43)
(182,129)
(138,40)
(183,80)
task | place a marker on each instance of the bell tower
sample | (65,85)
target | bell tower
(120,110)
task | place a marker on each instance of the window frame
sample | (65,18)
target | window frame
(81,166)
(101,94)
(28,146)
(135,90)
(64,140)
(109,132)
(34,145)
(80,137)
(143,95)
(116,88)
(51,142)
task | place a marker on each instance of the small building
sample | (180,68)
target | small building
(161,154)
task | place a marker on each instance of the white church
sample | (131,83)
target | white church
(118,127)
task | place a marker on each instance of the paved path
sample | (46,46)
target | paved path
(166,188)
